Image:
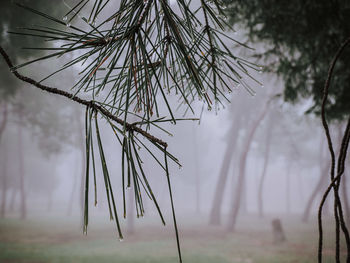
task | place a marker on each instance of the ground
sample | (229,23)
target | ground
(54,239)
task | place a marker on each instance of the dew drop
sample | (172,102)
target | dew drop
(68,25)
(65,18)
(121,239)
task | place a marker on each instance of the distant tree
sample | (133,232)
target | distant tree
(231,149)
(130,62)
(10,20)
(47,118)
(302,39)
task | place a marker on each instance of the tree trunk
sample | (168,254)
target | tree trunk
(23,210)
(215,214)
(3,182)
(237,194)
(13,200)
(266,162)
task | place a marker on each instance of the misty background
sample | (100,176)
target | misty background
(220,208)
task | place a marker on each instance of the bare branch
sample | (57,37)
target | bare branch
(335,180)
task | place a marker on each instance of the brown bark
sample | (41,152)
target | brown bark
(237,194)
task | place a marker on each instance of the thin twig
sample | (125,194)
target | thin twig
(92,104)
(337,204)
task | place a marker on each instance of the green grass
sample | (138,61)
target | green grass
(57,240)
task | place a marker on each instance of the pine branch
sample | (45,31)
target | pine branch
(91,104)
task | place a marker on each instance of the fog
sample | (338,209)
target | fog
(277,150)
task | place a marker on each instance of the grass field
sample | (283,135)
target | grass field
(60,240)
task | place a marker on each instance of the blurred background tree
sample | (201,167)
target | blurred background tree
(13,17)
(300,39)
(47,119)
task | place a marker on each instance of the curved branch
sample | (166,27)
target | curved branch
(92,104)
(335,180)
